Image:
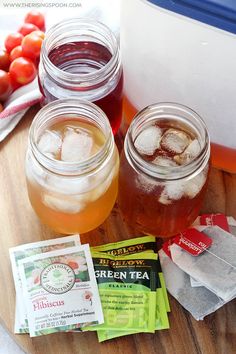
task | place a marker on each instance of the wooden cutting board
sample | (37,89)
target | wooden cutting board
(216,334)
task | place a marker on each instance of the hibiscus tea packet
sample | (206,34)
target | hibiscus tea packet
(23,251)
(66,295)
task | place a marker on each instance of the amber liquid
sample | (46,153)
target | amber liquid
(88,57)
(142,210)
(49,204)
(93,215)
(221,157)
(145,202)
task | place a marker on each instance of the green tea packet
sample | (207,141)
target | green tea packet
(145,243)
(60,290)
(132,246)
(127,288)
(23,251)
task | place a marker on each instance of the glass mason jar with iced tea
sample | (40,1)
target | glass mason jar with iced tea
(72,166)
(164,169)
(80,58)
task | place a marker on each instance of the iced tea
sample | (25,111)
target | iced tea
(163,173)
(76,188)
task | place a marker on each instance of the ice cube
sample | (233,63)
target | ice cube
(174,141)
(76,146)
(146,183)
(194,185)
(164,161)
(173,190)
(189,153)
(50,143)
(68,185)
(148,140)
(65,205)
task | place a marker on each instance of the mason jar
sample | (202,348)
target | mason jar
(80,58)
(71,166)
(164,169)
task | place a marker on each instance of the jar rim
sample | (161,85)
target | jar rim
(90,26)
(76,107)
(157,111)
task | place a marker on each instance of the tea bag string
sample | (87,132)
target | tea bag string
(213,254)
(223,260)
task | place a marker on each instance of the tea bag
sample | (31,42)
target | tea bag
(199,301)
(215,268)
(227,223)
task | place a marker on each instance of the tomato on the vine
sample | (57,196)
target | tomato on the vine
(27,28)
(5,85)
(4,60)
(36,18)
(12,41)
(22,70)
(31,44)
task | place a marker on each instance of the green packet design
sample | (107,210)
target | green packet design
(127,288)
(133,246)
(139,244)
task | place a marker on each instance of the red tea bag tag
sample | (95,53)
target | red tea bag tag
(166,247)
(215,220)
(193,241)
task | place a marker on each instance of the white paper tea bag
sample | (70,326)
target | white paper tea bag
(199,301)
(215,268)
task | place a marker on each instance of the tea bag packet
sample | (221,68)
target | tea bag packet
(60,290)
(215,267)
(23,251)
(199,301)
(127,287)
(133,246)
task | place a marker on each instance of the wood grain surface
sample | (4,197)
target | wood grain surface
(19,224)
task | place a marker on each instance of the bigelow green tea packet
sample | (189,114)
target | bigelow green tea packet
(60,290)
(132,246)
(23,251)
(127,287)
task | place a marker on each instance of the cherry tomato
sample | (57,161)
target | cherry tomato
(5,85)
(31,45)
(4,60)
(1,107)
(22,70)
(40,34)
(12,41)
(16,53)
(36,18)
(27,28)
